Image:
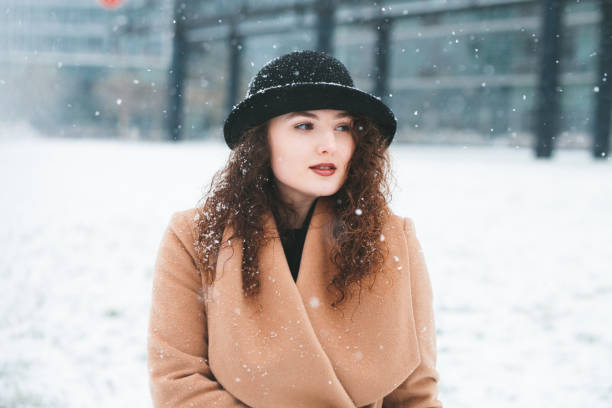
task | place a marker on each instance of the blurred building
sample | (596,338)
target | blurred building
(73,67)
(83,33)
(459,71)
(454,76)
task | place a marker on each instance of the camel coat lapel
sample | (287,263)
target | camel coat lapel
(290,347)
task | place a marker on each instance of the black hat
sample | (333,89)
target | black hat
(304,80)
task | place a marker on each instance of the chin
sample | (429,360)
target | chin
(324,192)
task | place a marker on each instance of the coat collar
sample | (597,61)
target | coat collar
(290,345)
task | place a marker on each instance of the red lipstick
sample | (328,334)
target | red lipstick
(324,169)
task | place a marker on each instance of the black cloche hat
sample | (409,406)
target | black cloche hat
(304,80)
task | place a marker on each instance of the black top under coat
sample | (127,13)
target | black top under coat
(293,243)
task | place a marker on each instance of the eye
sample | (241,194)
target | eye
(303,124)
(346,127)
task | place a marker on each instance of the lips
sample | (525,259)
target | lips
(324,166)
(324,169)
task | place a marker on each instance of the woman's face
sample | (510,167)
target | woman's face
(302,141)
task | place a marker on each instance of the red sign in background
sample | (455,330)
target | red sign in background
(111,4)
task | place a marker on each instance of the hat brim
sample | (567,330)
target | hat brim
(280,100)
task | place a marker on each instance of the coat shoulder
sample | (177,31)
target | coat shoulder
(182,223)
(406,226)
(184,219)
(405,222)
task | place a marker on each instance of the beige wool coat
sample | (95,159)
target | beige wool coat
(209,347)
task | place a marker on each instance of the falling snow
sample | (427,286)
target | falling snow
(314,302)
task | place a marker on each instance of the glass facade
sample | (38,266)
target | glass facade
(84,33)
(454,76)
(472,71)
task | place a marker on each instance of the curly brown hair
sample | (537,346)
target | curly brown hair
(241,192)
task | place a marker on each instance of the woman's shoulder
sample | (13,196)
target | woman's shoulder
(405,222)
(182,224)
(405,227)
(184,219)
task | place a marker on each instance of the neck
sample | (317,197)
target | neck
(302,211)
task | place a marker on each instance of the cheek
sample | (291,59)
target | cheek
(285,161)
(277,151)
(346,149)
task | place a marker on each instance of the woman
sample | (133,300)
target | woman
(292,284)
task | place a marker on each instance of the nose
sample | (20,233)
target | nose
(326,142)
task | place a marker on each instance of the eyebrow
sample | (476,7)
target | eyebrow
(312,115)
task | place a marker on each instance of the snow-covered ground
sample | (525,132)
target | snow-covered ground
(519,252)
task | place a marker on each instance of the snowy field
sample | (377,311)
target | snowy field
(519,252)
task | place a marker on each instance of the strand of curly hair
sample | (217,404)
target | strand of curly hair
(241,192)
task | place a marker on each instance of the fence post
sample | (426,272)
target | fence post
(382,59)
(325,25)
(603,94)
(548,104)
(176,76)
(235,47)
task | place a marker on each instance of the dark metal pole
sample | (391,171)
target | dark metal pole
(548,106)
(603,99)
(325,25)
(176,74)
(501,117)
(382,59)
(235,46)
